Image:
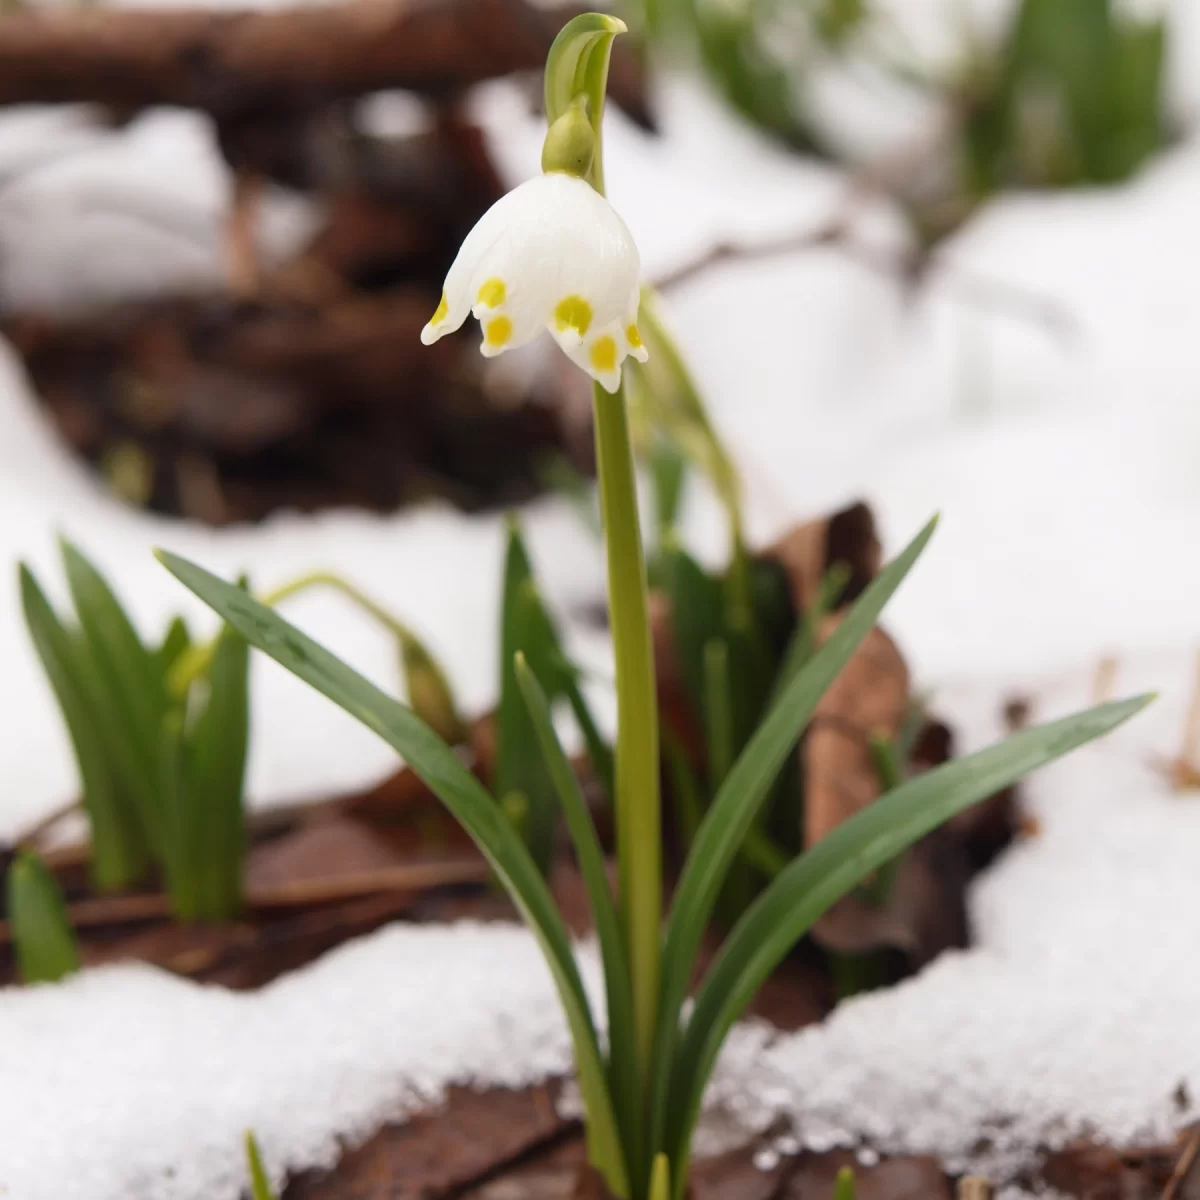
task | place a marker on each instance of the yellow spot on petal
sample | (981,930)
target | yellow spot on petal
(573,313)
(439,314)
(633,337)
(492,292)
(497,331)
(604,353)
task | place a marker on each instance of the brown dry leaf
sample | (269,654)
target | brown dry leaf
(808,551)
(1101,1172)
(910,1178)
(870,696)
(925,912)
(475,1135)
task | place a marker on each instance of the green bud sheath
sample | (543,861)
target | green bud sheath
(570,144)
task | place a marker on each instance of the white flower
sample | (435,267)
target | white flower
(552,254)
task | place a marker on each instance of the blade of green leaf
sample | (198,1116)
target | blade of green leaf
(525,628)
(41,931)
(804,640)
(621,1033)
(175,643)
(215,772)
(843,1186)
(183,824)
(718,712)
(120,855)
(133,694)
(735,805)
(599,752)
(660,1178)
(260,1185)
(816,880)
(685,791)
(697,615)
(667,474)
(443,772)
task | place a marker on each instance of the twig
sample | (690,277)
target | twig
(1183,1167)
(979,290)
(416,877)
(1184,770)
(974,1187)
(1103,679)
(244,276)
(39,829)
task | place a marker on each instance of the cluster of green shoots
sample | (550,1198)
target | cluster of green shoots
(161,765)
(643,1075)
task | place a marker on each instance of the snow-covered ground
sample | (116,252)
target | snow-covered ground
(1066,471)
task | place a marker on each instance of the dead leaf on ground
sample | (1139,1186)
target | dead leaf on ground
(808,551)
(870,696)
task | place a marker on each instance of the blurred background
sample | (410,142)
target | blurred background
(934,254)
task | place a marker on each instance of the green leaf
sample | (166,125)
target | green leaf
(843,1186)
(718,711)
(41,931)
(120,854)
(175,643)
(736,804)
(214,773)
(260,1185)
(804,640)
(621,1033)
(660,1178)
(134,698)
(577,65)
(443,772)
(525,628)
(667,474)
(183,824)
(685,791)
(697,606)
(820,877)
(599,752)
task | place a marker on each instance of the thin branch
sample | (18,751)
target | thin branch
(414,877)
(981,291)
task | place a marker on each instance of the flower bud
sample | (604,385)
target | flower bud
(570,142)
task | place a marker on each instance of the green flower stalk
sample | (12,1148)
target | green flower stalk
(553,254)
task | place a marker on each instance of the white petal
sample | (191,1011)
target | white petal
(554,254)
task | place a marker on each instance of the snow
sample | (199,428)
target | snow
(1073,1014)
(1063,461)
(129,1084)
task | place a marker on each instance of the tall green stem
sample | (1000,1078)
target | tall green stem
(638,814)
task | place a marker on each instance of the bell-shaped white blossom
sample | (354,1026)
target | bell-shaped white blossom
(551,254)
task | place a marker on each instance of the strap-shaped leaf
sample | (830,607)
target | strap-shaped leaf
(525,628)
(41,932)
(174,644)
(478,813)
(577,65)
(621,1034)
(120,855)
(736,803)
(133,694)
(821,876)
(215,771)
(260,1185)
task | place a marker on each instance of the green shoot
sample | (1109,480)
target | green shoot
(41,931)
(260,1185)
